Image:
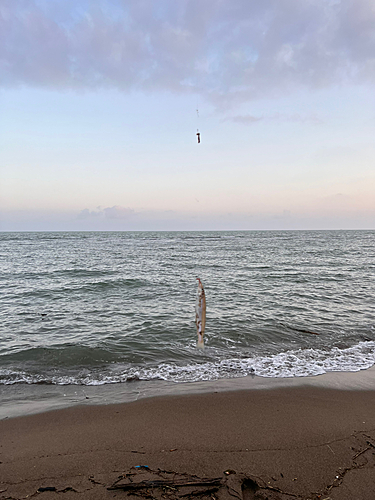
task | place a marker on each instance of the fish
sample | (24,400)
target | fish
(200,313)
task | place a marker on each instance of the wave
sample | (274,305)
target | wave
(78,287)
(292,363)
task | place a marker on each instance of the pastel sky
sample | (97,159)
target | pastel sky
(98,114)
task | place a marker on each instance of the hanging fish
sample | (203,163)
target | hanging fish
(200,313)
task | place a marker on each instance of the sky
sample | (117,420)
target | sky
(101,100)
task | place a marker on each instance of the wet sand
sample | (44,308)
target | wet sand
(286,443)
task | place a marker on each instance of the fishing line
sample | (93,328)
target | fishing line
(198,134)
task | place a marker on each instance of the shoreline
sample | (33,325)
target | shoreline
(279,443)
(23,399)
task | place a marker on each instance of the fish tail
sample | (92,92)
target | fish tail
(200,344)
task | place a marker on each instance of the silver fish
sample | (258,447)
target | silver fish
(200,313)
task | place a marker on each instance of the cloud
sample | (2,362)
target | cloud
(87,214)
(321,218)
(227,51)
(115,212)
(278,117)
(245,119)
(297,118)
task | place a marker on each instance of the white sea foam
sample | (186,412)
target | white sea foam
(292,363)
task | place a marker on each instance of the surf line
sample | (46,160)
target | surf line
(200,314)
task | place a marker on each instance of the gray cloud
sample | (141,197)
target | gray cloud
(87,214)
(297,117)
(115,212)
(28,220)
(278,117)
(226,51)
(245,119)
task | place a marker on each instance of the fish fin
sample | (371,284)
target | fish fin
(200,344)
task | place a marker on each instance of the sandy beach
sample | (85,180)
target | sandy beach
(287,443)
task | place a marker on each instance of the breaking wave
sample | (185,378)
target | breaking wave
(291,363)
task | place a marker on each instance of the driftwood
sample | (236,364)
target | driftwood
(159,483)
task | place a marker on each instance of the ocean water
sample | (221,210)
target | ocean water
(94,308)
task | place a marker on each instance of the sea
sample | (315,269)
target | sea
(85,311)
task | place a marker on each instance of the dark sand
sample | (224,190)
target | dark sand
(288,443)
